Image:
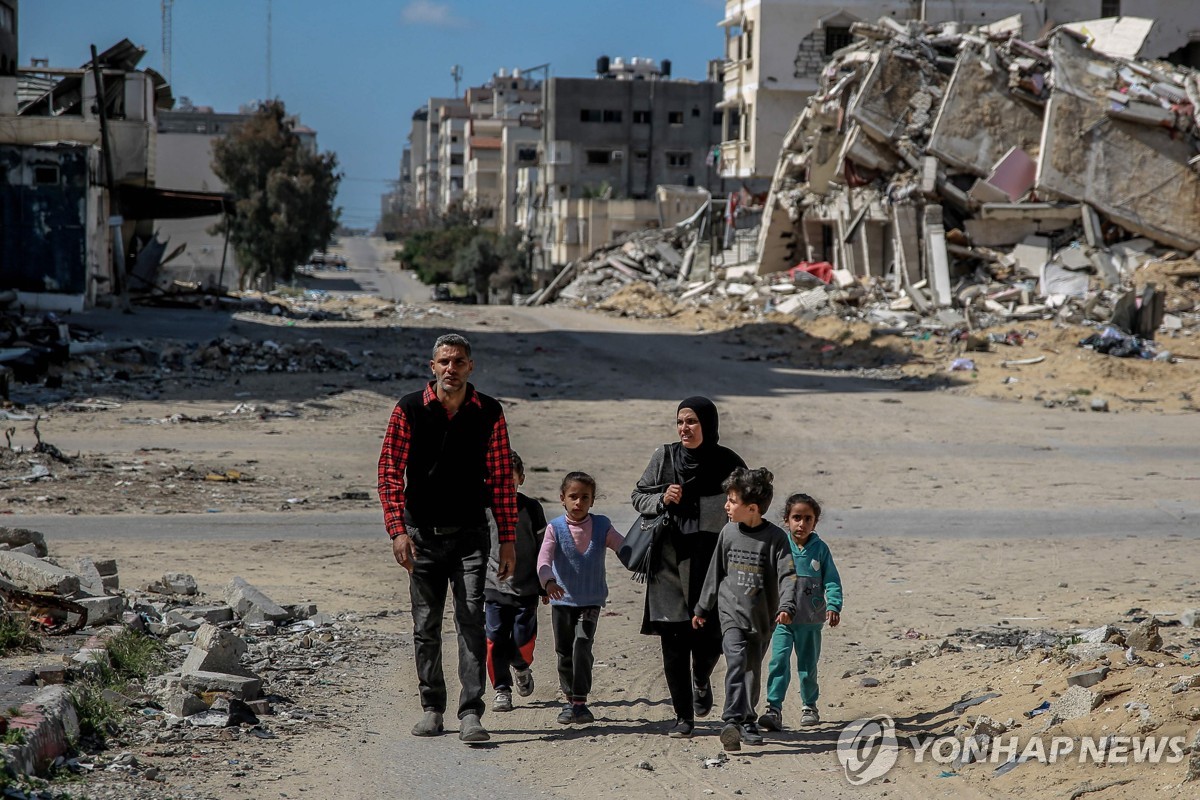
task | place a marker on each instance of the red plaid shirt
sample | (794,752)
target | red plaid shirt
(393,460)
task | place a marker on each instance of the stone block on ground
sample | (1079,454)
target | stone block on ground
(183,703)
(1145,636)
(213,614)
(1088,678)
(49,723)
(90,579)
(1076,702)
(243,687)
(251,604)
(18,537)
(179,618)
(1085,651)
(102,610)
(34,575)
(30,549)
(1190,618)
(179,583)
(214,650)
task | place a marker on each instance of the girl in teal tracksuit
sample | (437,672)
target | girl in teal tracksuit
(818,600)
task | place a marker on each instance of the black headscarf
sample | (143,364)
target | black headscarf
(703,469)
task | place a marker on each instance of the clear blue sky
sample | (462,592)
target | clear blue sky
(355,70)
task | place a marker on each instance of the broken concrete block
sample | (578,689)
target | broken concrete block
(30,549)
(90,579)
(18,537)
(1190,618)
(214,650)
(179,583)
(1087,651)
(184,703)
(180,619)
(1145,636)
(213,614)
(301,610)
(51,674)
(1076,702)
(1088,678)
(244,687)
(251,604)
(34,575)
(102,610)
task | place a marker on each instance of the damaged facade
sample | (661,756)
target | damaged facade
(953,166)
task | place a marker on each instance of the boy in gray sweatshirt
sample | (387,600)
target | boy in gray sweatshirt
(751,583)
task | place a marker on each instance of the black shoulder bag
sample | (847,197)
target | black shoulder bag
(637,553)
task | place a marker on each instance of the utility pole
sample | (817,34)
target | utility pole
(167,30)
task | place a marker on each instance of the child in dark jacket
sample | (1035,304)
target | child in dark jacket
(510,606)
(571,568)
(754,577)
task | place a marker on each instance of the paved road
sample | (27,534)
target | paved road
(372,268)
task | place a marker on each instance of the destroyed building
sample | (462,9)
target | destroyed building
(939,161)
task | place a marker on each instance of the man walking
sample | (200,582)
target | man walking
(445,460)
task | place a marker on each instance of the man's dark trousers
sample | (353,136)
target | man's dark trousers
(459,560)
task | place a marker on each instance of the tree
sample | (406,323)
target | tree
(283,193)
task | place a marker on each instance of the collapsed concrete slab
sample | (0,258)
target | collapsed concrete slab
(251,604)
(1138,176)
(34,575)
(214,650)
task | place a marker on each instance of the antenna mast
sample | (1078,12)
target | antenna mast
(167,5)
(456,73)
(269,95)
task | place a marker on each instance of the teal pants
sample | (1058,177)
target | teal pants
(805,639)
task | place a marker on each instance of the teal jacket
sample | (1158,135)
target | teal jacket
(814,562)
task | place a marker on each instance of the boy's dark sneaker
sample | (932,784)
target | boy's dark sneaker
(750,734)
(702,700)
(583,714)
(810,716)
(525,682)
(731,737)
(567,715)
(682,729)
(771,719)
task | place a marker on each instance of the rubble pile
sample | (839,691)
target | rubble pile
(944,183)
(242,667)
(663,257)
(982,179)
(240,355)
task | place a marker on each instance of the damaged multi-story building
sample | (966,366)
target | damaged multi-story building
(931,151)
(776,51)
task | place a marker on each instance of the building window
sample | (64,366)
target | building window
(641,118)
(1110,8)
(611,115)
(456,158)
(675,117)
(527,154)
(679,159)
(599,156)
(717,118)
(836,38)
(695,111)
(6,19)
(591,115)
(640,155)
(45,176)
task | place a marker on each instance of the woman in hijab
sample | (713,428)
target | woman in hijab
(684,479)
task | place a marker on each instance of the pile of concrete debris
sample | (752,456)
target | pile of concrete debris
(1000,178)
(664,257)
(942,179)
(236,661)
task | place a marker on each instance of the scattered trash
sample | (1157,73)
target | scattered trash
(1042,709)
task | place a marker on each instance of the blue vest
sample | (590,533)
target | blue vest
(581,575)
